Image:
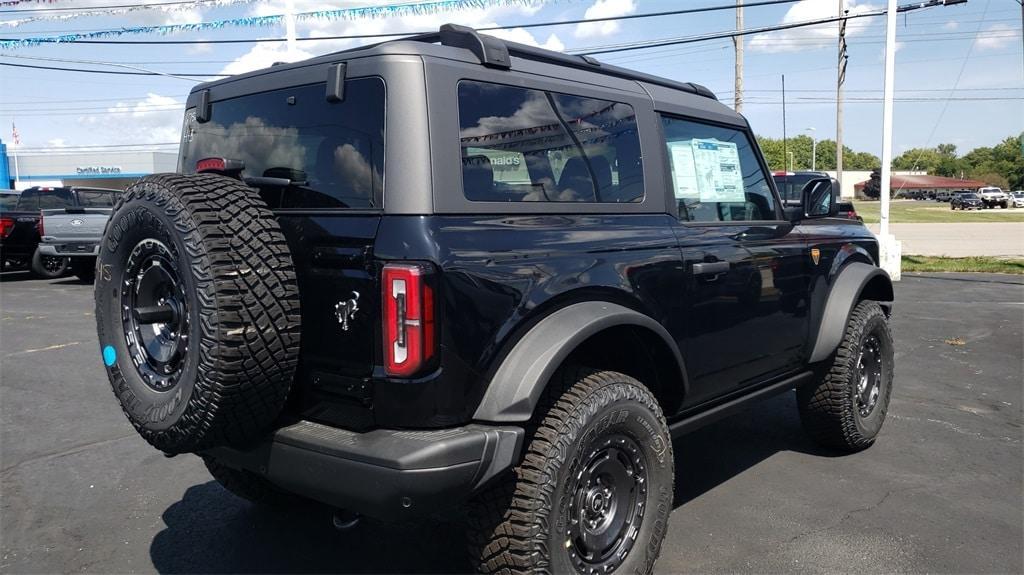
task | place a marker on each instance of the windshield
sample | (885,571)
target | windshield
(969,196)
(329,155)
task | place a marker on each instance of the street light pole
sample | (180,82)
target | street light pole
(814,149)
(888,247)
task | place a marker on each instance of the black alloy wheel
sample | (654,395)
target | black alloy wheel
(607,505)
(869,375)
(155,314)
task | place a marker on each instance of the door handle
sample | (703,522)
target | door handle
(708,268)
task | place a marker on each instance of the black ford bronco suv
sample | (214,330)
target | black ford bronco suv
(453,273)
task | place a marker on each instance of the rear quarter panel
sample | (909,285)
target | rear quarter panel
(501,274)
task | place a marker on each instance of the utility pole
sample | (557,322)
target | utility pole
(738,43)
(840,79)
(289,27)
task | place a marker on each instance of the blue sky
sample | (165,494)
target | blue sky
(961,66)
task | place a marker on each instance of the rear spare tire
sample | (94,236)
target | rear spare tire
(197,311)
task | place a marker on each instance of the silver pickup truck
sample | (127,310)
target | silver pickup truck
(75,233)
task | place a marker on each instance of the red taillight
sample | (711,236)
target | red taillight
(6,227)
(852,215)
(409,327)
(211,165)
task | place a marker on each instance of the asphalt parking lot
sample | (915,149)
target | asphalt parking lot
(940,492)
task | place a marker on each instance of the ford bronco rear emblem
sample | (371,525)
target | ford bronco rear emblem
(346,310)
(76,222)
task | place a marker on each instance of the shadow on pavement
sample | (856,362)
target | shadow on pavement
(212,531)
(16,276)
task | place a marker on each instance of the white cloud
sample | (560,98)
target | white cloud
(951,25)
(196,49)
(57,143)
(604,9)
(997,36)
(153,120)
(812,37)
(263,55)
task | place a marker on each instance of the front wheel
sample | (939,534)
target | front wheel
(846,407)
(594,490)
(48,267)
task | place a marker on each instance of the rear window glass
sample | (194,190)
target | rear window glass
(331,153)
(45,199)
(96,199)
(8,201)
(522,145)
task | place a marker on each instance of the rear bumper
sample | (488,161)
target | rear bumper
(70,249)
(387,474)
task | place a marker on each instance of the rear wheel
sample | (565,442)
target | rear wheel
(594,490)
(846,407)
(197,311)
(84,268)
(48,267)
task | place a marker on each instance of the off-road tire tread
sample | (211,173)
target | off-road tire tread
(827,410)
(249,313)
(508,525)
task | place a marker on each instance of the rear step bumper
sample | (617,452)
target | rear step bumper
(387,474)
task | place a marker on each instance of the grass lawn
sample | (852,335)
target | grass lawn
(915,212)
(971,264)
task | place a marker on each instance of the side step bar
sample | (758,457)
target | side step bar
(727,408)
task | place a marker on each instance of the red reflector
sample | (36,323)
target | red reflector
(211,165)
(6,227)
(409,328)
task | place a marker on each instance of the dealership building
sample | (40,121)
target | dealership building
(101,169)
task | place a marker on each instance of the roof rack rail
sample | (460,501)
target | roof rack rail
(495,53)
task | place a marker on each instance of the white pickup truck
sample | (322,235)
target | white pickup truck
(75,233)
(992,197)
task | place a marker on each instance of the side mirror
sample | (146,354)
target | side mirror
(817,200)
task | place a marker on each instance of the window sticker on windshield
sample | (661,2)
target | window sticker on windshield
(683,170)
(719,177)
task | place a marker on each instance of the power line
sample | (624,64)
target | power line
(117,72)
(702,9)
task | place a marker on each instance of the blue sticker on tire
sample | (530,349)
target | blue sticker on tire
(109,355)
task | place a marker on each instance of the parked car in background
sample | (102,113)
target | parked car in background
(1017,199)
(9,199)
(942,196)
(20,231)
(75,233)
(846,210)
(966,201)
(993,196)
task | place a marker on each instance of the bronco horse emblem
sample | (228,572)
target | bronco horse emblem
(346,310)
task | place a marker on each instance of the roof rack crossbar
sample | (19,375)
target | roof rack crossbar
(495,53)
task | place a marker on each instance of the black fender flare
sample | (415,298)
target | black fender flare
(846,291)
(519,381)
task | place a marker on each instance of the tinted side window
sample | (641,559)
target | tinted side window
(715,173)
(332,153)
(522,145)
(95,199)
(8,201)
